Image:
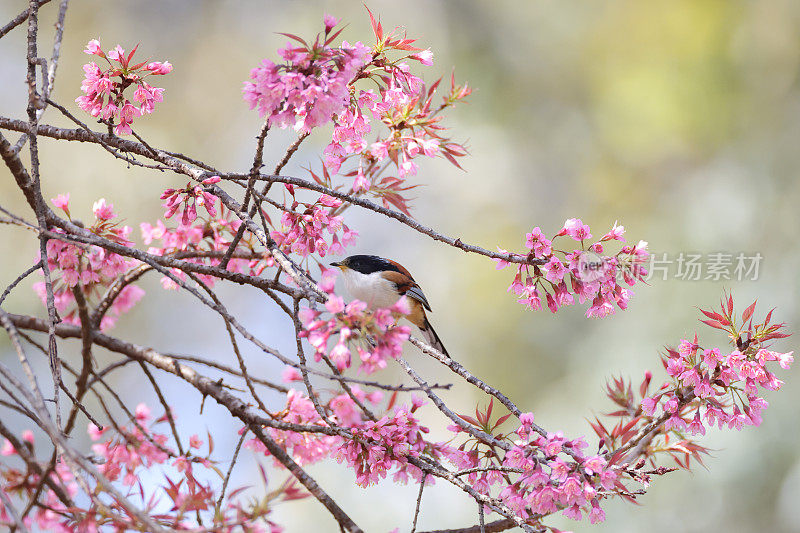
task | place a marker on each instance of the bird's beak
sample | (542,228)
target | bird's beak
(336,265)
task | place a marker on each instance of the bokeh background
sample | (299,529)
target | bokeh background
(679,118)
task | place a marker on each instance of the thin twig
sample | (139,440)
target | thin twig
(19,19)
(230,470)
(16,282)
(165,405)
(9,507)
(419,503)
(34,104)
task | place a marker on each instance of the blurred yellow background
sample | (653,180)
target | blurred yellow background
(679,118)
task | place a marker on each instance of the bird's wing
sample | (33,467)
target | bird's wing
(416,293)
(407,286)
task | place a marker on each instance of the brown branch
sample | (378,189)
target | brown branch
(18,170)
(86,354)
(230,471)
(164,404)
(83,235)
(258,162)
(35,103)
(207,387)
(495,504)
(113,291)
(204,385)
(48,76)
(128,159)
(9,507)
(80,235)
(396,215)
(129,146)
(74,459)
(491,527)
(19,19)
(19,278)
(345,522)
(439,403)
(480,384)
(419,503)
(234,345)
(33,464)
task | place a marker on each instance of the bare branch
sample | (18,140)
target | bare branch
(19,19)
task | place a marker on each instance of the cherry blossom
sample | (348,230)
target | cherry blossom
(559,275)
(104,89)
(370,336)
(90,269)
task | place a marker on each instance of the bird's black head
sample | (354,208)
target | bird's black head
(366,264)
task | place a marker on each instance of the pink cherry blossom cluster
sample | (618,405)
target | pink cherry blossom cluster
(540,474)
(189,199)
(546,487)
(376,331)
(305,448)
(726,385)
(375,448)
(92,269)
(404,105)
(316,84)
(198,239)
(123,455)
(535,475)
(308,448)
(311,86)
(707,387)
(304,224)
(385,445)
(22,483)
(560,275)
(105,88)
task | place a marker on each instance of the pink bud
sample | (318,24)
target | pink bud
(425,57)
(93,48)
(330,22)
(61,201)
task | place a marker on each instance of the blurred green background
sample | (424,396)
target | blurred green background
(679,118)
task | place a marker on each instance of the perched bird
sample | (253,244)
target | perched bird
(381,282)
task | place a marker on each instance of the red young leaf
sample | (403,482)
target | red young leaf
(469,419)
(501,420)
(714,324)
(294,37)
(392,401)
(451,159)
(712,315)
(748,312)
(130,55)
(377,29)
(330,39)
(210,442)
(433,87)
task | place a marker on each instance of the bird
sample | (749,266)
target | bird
(381,282)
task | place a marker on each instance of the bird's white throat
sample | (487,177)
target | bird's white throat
(370,288)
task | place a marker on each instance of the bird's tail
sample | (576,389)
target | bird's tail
(432,338)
